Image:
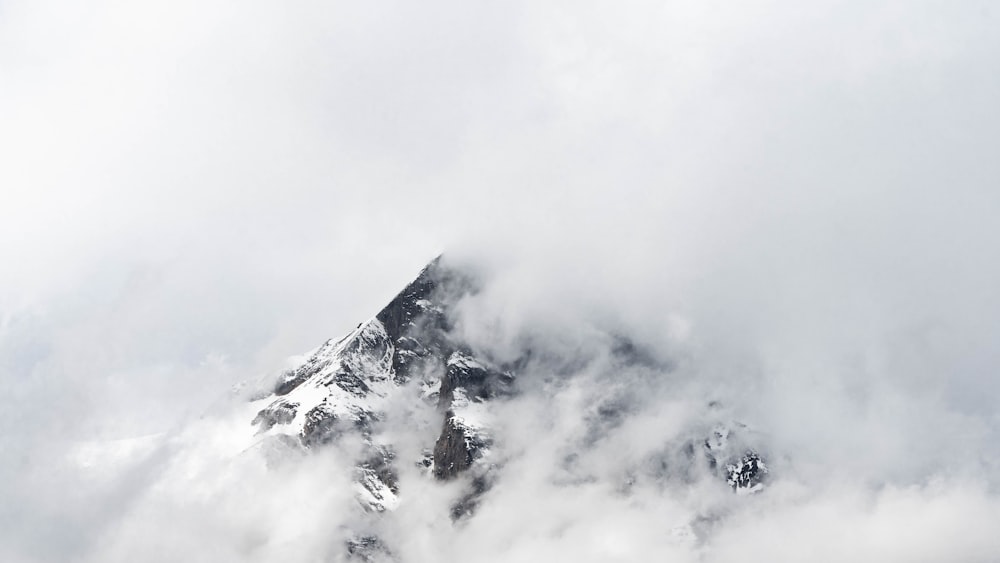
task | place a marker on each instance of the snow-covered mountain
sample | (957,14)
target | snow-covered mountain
(408,351)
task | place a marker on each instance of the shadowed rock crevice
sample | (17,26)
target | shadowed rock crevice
(453,452)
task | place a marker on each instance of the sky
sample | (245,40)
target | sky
(798,199)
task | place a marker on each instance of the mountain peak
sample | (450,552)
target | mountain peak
(347,386)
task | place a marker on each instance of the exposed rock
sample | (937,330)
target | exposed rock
(728,453)
(746,474)
(320,426)
(342,386)
(369,549)
(279,412)
(453,451)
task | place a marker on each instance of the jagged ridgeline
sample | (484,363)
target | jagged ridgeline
(346,386)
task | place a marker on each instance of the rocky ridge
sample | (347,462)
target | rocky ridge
(345,386)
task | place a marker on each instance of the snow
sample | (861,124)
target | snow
(322,387)
(375,494)
(354,381)
(473,418)
(472,415)
(458,359)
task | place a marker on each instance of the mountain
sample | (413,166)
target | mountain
(410,351)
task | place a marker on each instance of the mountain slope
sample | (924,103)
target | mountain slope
(408,351)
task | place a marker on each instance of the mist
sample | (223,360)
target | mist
(790,208)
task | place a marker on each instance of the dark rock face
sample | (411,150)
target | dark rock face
(407,309)
(478,380)
(320,427)
(453,452)
(747,472)
(416,320)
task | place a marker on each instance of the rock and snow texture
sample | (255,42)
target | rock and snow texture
(740,464)
(345,389)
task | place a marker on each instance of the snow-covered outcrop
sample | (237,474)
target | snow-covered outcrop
(346,387)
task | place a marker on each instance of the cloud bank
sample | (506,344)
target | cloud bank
(792,206)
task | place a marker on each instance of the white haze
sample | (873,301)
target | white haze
(792,203)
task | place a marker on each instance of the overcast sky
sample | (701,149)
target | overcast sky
(191,192)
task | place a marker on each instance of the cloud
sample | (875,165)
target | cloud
(790,206)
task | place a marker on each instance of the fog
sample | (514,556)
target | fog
(792,206)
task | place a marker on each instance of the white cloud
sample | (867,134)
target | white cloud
(793,204)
